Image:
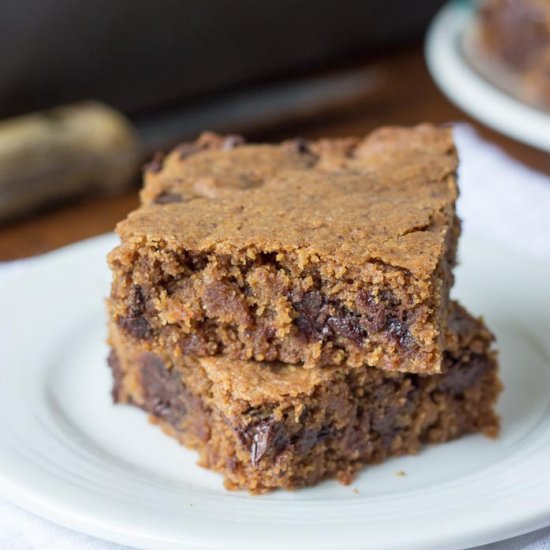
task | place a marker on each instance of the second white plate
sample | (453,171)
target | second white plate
(68,454)
(467,88)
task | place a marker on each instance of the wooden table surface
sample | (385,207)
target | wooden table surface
(406,95)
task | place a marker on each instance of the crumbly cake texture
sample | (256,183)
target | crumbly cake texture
(315,253)
(271,425)
(516,34)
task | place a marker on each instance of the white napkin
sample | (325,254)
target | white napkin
(502,198)
(499,197)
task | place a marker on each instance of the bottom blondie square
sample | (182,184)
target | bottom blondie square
(272,425)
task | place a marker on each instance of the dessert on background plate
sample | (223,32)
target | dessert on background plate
(284,309)
(465,50)
(511,39)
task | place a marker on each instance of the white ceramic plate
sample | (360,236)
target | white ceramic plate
(466,87)
(68,454)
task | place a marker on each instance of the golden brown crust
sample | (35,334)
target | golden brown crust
(387,198)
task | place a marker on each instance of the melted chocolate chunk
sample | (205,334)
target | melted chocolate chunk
(300,145)
(320,319)
(375,311)
(134,322)
(384,424)
(138,327)
(267,438)
(166,197)
(400,330)
(135,301)
(463,375)
(346,324)
(356,433)
(383,313)
(156,163)
(309,310)
(162,389)
(386,421)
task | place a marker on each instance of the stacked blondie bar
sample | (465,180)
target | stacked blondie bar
(284,309)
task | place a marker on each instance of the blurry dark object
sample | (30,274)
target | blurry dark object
(514,35)
(65,152)
(137,54)
(260,107)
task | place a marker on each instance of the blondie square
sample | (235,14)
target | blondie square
(271,425)
(326,253)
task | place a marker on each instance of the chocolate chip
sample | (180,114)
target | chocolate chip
(162,388)
(138,327)
(268,258)
(356,437)
(321,319)
(267,438)
(375,310)
(300,145)
(198,262)
(166,197)
(386,421)
(114,363)
(461,376)
(384,313)
(156,163)
(384,425)
(400,330)
(345,324)
(134,322)
(309,320)
(136,301)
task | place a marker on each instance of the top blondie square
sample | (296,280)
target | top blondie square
(318,253)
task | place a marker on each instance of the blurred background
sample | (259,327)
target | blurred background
(140,56)
(89,90)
